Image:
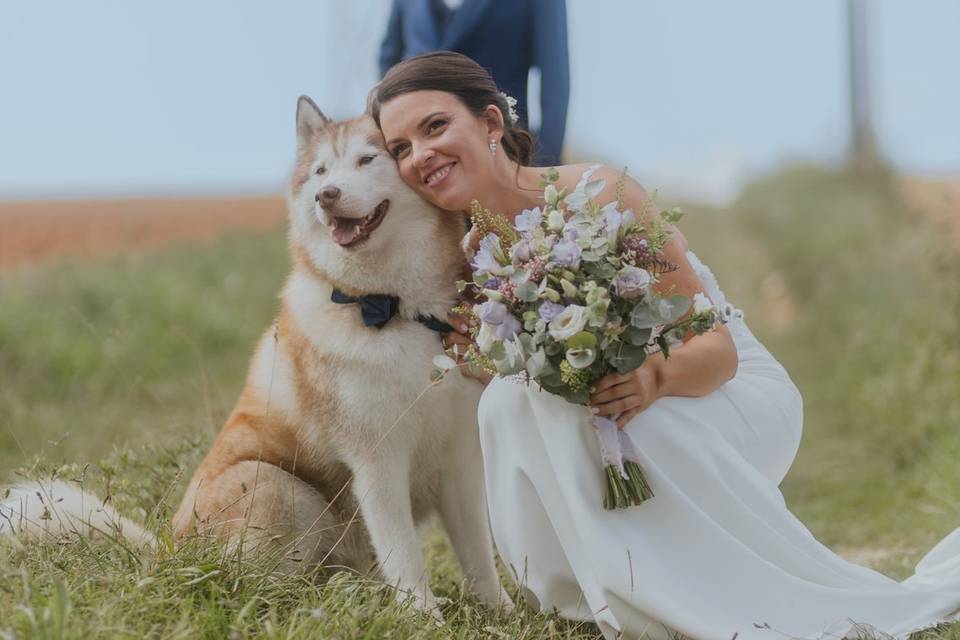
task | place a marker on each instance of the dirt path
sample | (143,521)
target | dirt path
(32,232)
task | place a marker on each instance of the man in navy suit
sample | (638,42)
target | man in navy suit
(507,37)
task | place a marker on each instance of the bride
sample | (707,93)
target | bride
(715,554)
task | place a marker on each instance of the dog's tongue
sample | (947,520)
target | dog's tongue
(346,230)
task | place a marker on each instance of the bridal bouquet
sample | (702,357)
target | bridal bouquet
(568,298)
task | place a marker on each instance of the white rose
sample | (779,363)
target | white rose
(568,323)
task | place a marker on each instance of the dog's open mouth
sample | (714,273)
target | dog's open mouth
(352,231)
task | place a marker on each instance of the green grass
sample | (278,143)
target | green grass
(119,372)
(131,349)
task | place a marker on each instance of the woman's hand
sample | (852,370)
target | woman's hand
(628,393)
(460,338)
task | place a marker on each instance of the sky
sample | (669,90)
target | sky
(130,97)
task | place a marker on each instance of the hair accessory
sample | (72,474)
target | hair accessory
(511,103)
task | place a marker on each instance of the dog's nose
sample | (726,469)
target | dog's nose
(328,196)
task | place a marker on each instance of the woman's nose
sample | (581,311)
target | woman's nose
(422,156)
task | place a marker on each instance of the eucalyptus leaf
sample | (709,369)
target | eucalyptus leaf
(520,276)
(672,308)
(505,367)
(643,317)
(635,336)
(526,341)
(624,357)
(526,291)
(538,365)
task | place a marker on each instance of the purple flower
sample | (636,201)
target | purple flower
(508,327)
(549,310)
(528,219)
(631,282)
(611,219)
(492,283)
(485,259)
(492,312)
(636,248)
(520,252)
(566,253)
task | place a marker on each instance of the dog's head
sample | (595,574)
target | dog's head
(347,200)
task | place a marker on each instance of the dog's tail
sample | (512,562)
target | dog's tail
(57,508)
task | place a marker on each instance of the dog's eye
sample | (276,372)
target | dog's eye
(320,171)
(365,160)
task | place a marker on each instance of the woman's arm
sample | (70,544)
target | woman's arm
(700,366)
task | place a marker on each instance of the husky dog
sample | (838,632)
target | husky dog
(339,446)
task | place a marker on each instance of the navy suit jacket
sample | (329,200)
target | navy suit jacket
(507,37)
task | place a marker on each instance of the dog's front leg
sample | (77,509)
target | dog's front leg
(463,509)
(382,486)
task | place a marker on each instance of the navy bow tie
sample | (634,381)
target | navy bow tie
(378,308)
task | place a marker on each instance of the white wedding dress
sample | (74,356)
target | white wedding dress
(715,553)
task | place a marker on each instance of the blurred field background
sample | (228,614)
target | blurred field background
(129,306)
(119,370)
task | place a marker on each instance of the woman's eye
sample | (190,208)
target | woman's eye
(320,171)
(435,124)
(365,160)
(397,150)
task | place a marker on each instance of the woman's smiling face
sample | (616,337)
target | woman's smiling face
(441,148)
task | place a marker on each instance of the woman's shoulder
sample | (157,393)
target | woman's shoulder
(617,183)
(571,174)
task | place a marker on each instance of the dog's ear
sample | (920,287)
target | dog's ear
(309,118)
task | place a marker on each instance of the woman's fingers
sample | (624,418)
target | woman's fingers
(610,380)
(616,406)
(615,392)
(459,322)
(459,343)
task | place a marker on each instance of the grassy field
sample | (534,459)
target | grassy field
(120,371)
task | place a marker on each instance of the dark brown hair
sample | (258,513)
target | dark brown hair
(461,76)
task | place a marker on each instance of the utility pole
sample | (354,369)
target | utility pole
(863,147)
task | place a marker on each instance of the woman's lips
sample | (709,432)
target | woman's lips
(444,173)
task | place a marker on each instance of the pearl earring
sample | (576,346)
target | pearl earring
(493,147)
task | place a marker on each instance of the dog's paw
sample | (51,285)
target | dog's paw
(426,603)
(501,603)
(493,596)
(442,601)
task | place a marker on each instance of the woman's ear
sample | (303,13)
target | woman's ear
(494,119)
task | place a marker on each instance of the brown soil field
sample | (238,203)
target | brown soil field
(35,231)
